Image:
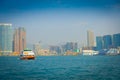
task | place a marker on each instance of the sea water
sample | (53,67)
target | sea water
(60,68)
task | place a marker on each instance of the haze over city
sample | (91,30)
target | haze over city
(58,21)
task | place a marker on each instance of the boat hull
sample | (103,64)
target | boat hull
(27,57)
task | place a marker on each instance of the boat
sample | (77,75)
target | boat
(27,54)
(89,52)
(113,51)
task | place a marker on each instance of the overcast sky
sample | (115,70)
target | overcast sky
(58,21)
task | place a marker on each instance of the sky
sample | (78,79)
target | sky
(53,22)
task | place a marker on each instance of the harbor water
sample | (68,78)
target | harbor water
(60,68)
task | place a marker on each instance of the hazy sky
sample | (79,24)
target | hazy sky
(59,21)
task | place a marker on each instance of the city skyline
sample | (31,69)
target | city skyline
(56,21)
(13,42)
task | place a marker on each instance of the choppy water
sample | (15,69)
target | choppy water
(61,68)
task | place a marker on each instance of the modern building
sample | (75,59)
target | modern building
(63,49)
(99,43)
(55,49)
(71,46)
(116,40)
(6,39)
(90,38)
(36,49)
(41,52)
(107,39)
(19,39)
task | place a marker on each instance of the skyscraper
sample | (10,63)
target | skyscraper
(36,49)
(6,39)
(90,38)
(55,49)
(71,46)
(116,40)
(99,42)
(19,40)
(107,41)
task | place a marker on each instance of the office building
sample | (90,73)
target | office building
(55,49)
(36,49)
(116,40)
(99,43)
(6,39)
(19,39)
(90,38)
(71,46)
(107,39)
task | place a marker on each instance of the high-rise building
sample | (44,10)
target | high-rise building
(107,39)
(71,46)
(19,39)
(6,39)
(90,38)
(55,49)
(116,40)
(37,49)
(99,42)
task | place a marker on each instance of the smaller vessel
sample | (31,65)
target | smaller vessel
(113,51)
(89,52)
(27,54)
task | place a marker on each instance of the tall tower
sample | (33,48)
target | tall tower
(72,46)
(36,49)
(116,40)
(107,41)
(19,39)
(99,42)
(6,39)
(90,38)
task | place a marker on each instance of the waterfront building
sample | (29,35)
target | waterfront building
(55,49)
(71,46)
(19,39)
(90,38)
(36,49)
(99,43)
(41,52)
(116,40)
(63,50)
(6,39)
(75,47)
(45,52)
(107,39)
